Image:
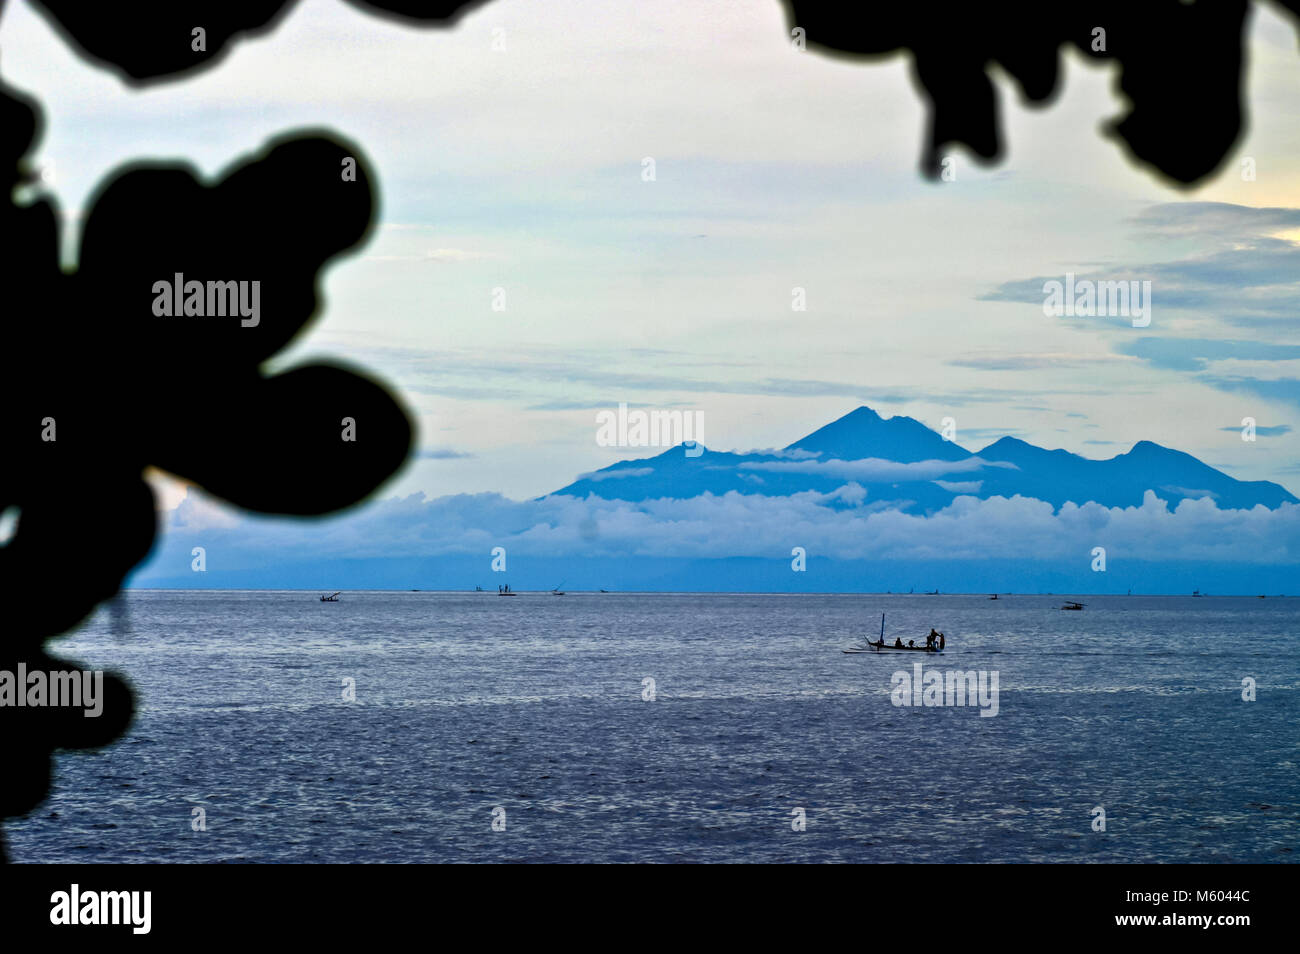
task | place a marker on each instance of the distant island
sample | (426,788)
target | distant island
(900,460)
(863,504)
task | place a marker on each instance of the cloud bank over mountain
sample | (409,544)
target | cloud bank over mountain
(856,534)
(901,461)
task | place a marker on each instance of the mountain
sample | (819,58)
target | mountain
(864,434)
(861,505)
(904,464)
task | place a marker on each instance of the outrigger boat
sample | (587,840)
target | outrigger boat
(1072,606)
(332,598)
(882,647)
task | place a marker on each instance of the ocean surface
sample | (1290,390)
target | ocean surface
(471,708)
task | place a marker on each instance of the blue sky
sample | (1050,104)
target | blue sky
(522,169)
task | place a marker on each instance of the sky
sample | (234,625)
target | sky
(522,169)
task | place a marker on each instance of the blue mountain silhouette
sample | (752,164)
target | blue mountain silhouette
(900,462)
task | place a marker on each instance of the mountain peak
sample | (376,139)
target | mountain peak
(1015,450)
(863,433)
(1006,443)
(1150,452)
(861,413)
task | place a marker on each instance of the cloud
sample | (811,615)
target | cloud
(1285,390)
(442,453)
(1276,430)
(1189,491)
(749,525)
(599,475)
(608,374)
(1222,221)
(785,453)
(961,486)
(874,469)
(566,406)
(1034,362)
(1195,354)
(1242,269)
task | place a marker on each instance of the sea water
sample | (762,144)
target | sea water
(453,727)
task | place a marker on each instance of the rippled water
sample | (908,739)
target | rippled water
(466,703)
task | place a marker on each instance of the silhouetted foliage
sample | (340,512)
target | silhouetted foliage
(99,386)
(147,40)
(1180,66)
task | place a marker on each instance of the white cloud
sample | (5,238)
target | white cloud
(874,469)
(752,525)
(961,486)
(599,475)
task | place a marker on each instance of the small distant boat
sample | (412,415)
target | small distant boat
(1197,593)
(881,647)
(604,591)
(478,589)
(332,598)
(1072,606)
(994,596)
(556,591)
(933,593)
(505,591)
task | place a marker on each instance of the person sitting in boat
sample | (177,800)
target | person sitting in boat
(941,642)
(898,642)
(911,644)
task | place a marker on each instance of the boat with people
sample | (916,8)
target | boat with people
(332,598)
(505,590)
(1072,606)
(934,643)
